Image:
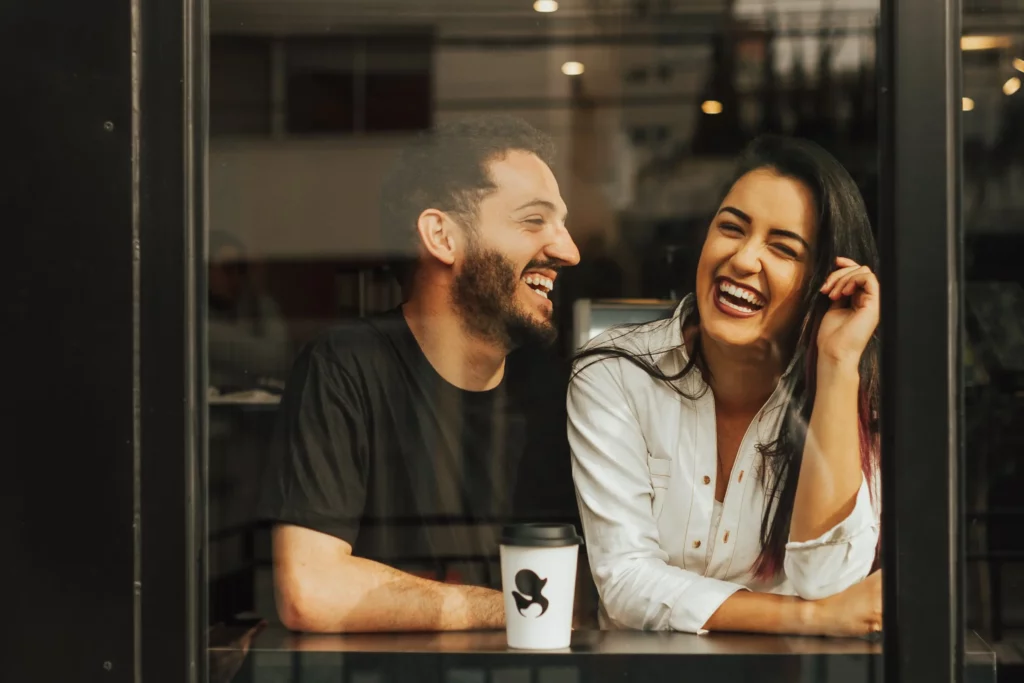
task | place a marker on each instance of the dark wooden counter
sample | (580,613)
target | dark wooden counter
(483,657)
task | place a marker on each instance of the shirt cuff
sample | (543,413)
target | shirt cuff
(860,520)
(698,603)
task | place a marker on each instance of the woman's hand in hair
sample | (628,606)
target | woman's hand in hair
(848,325)
(857,611)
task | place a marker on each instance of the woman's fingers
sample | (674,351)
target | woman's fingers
(847,275)
(861,279)
(835,276)
(846,280)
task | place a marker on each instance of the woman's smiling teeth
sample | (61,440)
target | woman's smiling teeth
(738,298)
(539,284)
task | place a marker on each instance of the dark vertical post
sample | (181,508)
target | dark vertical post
(102,199)
(920,240)
(66,492)
(171,198)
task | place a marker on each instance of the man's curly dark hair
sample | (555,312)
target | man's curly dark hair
(446,169)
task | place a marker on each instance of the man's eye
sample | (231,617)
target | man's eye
(535,221)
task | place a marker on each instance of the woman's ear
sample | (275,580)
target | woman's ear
(437,235)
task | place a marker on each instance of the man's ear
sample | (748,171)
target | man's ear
(437,235)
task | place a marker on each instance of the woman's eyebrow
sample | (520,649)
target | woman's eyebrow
(736,212)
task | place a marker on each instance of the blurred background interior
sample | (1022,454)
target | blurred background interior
(648,102)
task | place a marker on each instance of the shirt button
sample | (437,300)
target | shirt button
(725,539)
(707,479)
(696,544)
(741,476)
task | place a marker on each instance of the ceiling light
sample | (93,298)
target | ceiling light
(984,42)
(968,104)
(545,6)
(1011,86)
(1018,64)
(572,68)
(711,107)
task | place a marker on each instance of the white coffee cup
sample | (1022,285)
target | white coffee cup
(538,578)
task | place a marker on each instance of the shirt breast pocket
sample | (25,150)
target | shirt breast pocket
(661,477)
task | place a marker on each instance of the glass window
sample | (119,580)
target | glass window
(469,282)
(993,297)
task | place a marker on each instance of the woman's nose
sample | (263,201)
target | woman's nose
(747,259)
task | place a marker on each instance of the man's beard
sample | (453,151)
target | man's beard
(484,293)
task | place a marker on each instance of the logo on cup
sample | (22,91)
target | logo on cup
(530,592)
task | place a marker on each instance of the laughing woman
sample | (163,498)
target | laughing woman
(726,460)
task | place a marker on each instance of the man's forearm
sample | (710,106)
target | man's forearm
(359,595)
(765,613)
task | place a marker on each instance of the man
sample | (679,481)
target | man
(401,436)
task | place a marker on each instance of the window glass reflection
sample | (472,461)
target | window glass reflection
(421,214)
(993,300)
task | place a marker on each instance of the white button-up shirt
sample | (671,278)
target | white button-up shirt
(645,462)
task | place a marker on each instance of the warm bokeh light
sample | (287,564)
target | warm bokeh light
(968,104)
(572,68)
(1011,86)
(545,6)
(1018,64)
(711,107)
(984,42)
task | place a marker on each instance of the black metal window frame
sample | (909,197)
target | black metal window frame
(921,238)
(170,95)
(920,246)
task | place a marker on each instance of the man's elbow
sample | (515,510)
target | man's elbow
(295,616)
(300,609)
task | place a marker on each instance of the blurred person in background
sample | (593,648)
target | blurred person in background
(248,338)
(397,432)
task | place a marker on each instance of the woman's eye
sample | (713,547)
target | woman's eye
(783,249)
(730,228)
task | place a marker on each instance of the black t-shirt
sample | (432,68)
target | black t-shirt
(374,447)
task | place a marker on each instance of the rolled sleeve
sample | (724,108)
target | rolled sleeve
(699,603)
(840,557)
(639,589)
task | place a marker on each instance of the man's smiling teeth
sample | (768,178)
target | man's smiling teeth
(539,284)
(755,301)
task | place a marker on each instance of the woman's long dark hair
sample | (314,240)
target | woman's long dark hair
(844,229)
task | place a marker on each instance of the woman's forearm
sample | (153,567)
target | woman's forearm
(765,613)
(830,473)
(857,611)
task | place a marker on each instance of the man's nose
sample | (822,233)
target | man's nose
(563,249)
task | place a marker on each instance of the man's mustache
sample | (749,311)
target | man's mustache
(543,265)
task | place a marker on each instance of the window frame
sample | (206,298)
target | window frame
(920,244)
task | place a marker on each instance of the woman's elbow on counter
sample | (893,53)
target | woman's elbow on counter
(624,602)
(817,582)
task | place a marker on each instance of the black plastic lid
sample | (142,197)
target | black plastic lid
(540,535)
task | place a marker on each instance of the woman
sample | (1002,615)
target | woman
(762,388)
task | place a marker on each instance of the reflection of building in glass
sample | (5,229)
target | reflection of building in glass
(294,90)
